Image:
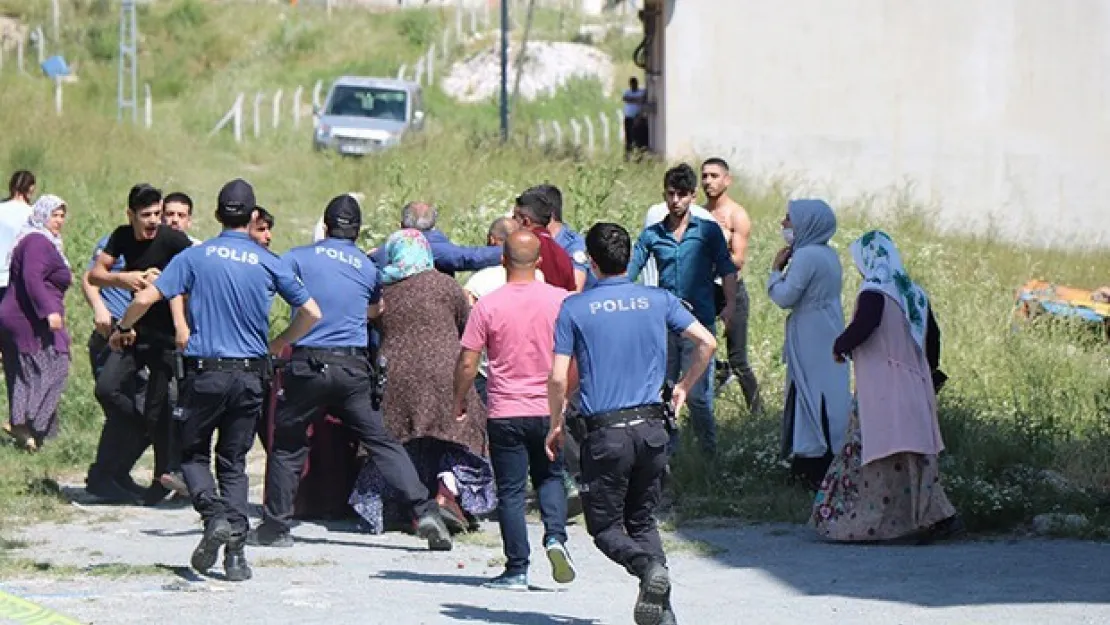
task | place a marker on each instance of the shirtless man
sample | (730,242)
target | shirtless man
(736,226)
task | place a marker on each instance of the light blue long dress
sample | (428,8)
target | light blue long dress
(810,289)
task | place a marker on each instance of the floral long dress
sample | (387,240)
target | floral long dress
(896,497)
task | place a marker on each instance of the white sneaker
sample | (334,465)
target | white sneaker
(562,567)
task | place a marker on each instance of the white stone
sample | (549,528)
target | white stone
(548,66)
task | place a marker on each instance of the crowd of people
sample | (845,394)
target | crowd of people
(425,404)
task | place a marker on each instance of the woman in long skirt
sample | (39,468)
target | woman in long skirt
(32,325)
(885,483)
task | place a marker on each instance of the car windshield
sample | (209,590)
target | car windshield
(373,102)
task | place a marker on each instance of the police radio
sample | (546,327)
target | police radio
(377,382)
(670,419)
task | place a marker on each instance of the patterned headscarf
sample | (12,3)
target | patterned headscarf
(408,254)
(878,261)
(36,223)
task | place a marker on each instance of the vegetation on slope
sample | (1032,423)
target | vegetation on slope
(1018,401)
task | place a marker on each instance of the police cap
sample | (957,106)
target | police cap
(236,199)
(343,216)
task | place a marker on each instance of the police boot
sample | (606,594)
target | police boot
(668,614)
(216,534)
(431,528)
(655,592)
(236,568)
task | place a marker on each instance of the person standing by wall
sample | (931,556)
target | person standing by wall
(635,123)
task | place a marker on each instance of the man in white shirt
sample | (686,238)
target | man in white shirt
(488,280)
(13,216)
(634,123)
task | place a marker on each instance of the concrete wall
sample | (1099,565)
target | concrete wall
(996,111)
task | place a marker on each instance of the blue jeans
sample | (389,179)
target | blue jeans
(699,401)
(516,447)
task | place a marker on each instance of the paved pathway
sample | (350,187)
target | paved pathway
(754,574)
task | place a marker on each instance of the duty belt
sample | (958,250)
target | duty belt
(324,352)
(625,417)
(245,365)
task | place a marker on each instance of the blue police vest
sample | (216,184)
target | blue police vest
(344,282)
(230,281)
(618,331)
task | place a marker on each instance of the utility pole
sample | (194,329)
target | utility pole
(504,71)
(128,95)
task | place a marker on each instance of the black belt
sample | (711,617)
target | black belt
(245,365)
(320,352)
(624,417)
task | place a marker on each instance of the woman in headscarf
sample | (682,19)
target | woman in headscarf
(818,389)
(885,483)
(424,315)
(32,325)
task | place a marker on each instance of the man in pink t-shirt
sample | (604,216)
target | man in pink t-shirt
(515,325)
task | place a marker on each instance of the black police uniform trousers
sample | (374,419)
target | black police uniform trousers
(126,433)
(224,396)
(621,470)
(324,381)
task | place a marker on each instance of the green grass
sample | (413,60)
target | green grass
(1018,402)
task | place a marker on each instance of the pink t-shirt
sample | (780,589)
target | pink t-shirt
(516,326)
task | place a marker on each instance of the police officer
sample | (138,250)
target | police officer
(618,332)
(329,373)
(229,280)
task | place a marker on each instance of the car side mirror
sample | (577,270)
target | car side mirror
(315,110)
(418,117)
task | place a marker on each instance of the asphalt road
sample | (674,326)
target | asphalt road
(730,574)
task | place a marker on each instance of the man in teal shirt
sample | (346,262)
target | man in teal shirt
(690,253)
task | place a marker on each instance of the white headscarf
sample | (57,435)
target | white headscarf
(879,262)
(36,223)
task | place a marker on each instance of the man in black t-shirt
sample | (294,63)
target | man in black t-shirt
(147,247)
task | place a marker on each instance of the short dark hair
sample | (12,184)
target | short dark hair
(554,198)
(142,196)
(680,178)
(234,220)
(179,198)
(609,246)
(536,203)
(716,160)
(20,183)
(265,216)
